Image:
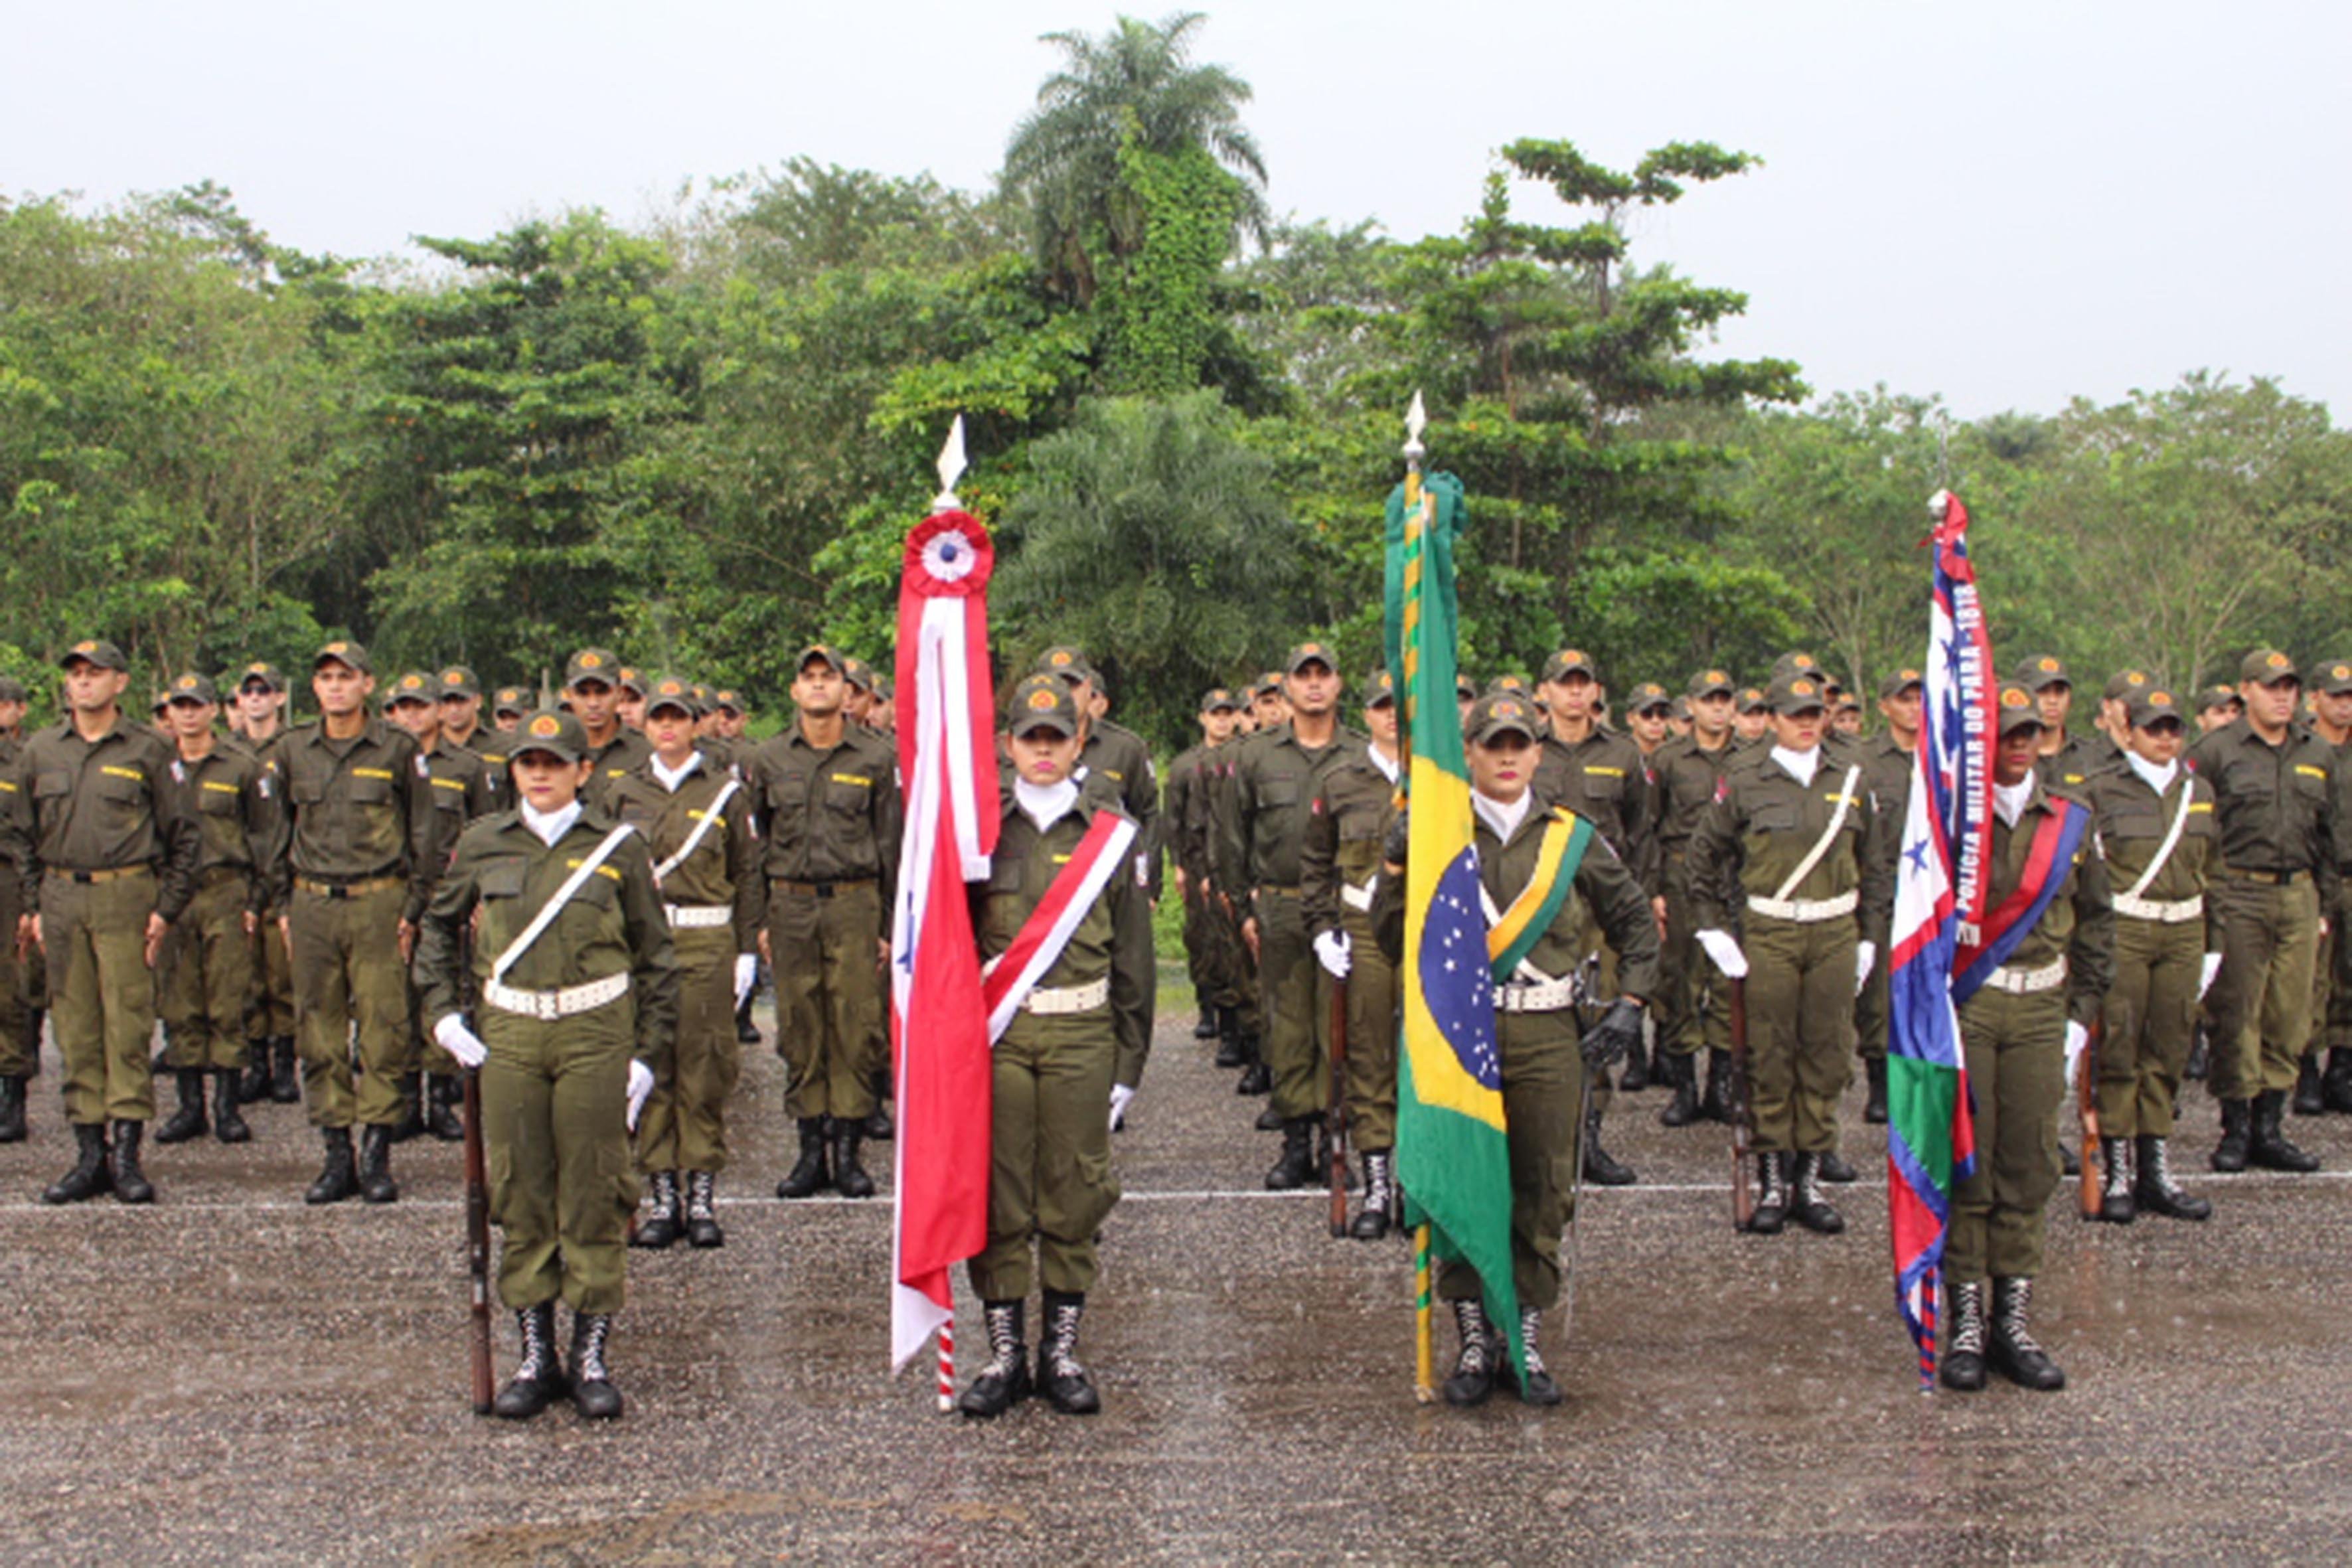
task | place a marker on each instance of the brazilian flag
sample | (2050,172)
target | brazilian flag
(1452,1158)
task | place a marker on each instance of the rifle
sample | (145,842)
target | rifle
(1338,1107)
(477,1247)
(1743,1196)
(2086,1104)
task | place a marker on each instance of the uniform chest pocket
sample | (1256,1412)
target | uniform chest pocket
(449,794)
(306,791)
(52,786)
(1776,816)
(369,792)
(2128,826)
(1602,784)
(848,794)
(2310,783)
(211,802)
(125,800)
(599,892)
(501,878)
(1277,792)
(1005,874)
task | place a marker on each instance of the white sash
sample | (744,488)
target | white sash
(554,906)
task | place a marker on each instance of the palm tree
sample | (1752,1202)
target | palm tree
(1135,79)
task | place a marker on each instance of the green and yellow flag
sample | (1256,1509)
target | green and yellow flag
(1452,1159)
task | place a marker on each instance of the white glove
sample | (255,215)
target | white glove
(2077,1039)
(2212,966)
(452,1036)
(1336,952)
(1725,954)
(747,975)
(641,1084)
(1121,1096)
(1865,959)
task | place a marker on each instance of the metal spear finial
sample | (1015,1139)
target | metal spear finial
(1416,420)
(952,466)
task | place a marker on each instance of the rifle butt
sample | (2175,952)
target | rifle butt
(1337,1113)
(483,1377)
(2086,1104)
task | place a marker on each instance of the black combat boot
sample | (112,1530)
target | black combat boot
(89,1176)
(2115,1206)
(12,1109)
(659,1228)
(1296,1166)
(412,1108)
(1060,1377)
(2070,1165)
(592,1393)
(1229,1037)
(702,1210)
(1715,1104)
(1257,1077)
(228,1121)
(1964,1339)
(1637,1073)
(747,1033)
(376,1185)
(285,1083)
(1682,1073)
(810,1174)
(1771,1194)
(131,1182)
(1371,1221)
(253,1081)
(1806,1205)
(879,1128)
(2155,1191)
(1600,1167)
(2014,1354)
(2200,1052)
(188,1121)
(849,1177)
(443,1093)
(2335,1083)
(2308,1099)
(1873,1106)
(336,1178)
(539,1376)
(2269,1147)
(1473,1370)
(1835,1169)
(1536,1387)
(2237,1130)
(1206,1029)
(1003,1382)
(1269,1119)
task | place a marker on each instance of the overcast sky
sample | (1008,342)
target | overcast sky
(2006,203)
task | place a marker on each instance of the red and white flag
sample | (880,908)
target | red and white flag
(938,1021)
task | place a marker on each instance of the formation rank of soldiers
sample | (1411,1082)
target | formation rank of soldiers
(575,903)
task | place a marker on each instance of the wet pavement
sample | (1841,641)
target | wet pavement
(230,1375)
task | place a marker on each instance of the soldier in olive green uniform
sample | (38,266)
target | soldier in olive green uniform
(571,1022)
(106,862)
(2160,836)
(824,801)
(20,1038)
(596,686)
(2278,870)
(207,964)
(1788,835)
(1065,1058)
(1689,1010)
(270,1070)
(2022,1032)
(462,727)
(1239,1027)
(2216,706)
(2067,761)
(1887,763)
(2316,1091)
(1187,853)
(510,706)
(1337,865)
(693,811)
(1278,779)
(362,848)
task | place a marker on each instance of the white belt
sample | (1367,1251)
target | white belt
(2170,913)
(1357,899)
(2027,982)
(552,1005)
(1805,911)
(1546,996)
(694,916)
(1068,999)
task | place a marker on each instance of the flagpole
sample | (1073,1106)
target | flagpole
(1416,419)
(950,469)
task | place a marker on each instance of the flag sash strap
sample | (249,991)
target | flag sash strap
(1008,979)
(701,830)
(554,906)
(2046,864)
(2171,839)
(1821,845)
(1510,938)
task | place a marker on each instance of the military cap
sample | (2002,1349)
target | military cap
(1798,692)
(1792,663)
(2219,696)
(2333,678)
(826,651)
(456,680)
(510,699)
(345,652)
(557,733)
(1516,685)
(727,700)
(95,651)
(594,664)
(1682,708)
(670,692)
(1219,699)
(2123,683)
(2268,666)
(1569,661)
(1379,688)
(1465,689)
(1847,703)
(160,701)
(1895,682)
(414,686)
(632,679)
(702,695)
(1065,661)
(2150,704)
(1646,696)
(2042,671)
(192,687)
(858,673)
(1043,701)
(1496,712)
(1709,683)
(2018,711)
(11,689)
(1268,684)
(271,677)
(1752,699)
(1308,653)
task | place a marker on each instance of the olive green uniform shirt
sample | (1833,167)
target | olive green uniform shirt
(100,806)
(355,810)
(826,816)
